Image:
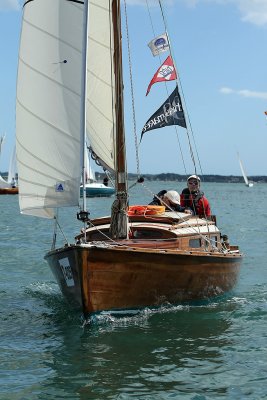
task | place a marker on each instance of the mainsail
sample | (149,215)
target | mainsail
(49,101)
(48,106)
(242,170)
(100,83)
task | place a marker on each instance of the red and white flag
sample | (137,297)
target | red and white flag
(166,72)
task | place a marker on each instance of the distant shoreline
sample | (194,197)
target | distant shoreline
(182,178)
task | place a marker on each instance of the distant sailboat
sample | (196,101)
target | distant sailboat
(93,188)
(247,182)
(9,186)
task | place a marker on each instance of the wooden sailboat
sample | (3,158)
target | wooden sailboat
(9,185)
(247,182)
(126,260)
(9,190)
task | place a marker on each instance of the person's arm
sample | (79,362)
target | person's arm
(203,207)
(156,199)
(182,200)
(155,202)
(179,208)
(207,207)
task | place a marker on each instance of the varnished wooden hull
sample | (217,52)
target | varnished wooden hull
(9,190)
(122,278)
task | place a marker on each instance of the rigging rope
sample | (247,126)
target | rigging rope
(57,225)
(160,63)
(184,102)
(132,90)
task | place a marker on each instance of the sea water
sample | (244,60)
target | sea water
(211,350)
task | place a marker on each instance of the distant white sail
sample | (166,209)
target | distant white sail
(12,166)
(48,106)
(244,173)
(3,183)
(7,183)
(2,139)
(90,175)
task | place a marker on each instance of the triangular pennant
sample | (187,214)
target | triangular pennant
(166,72)
(170,113)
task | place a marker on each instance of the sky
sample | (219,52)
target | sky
(220,52)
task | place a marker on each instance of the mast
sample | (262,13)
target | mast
(83,214)
(119,219)
(83,101)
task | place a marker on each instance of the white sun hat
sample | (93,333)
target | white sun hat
(194,177)
(173,196)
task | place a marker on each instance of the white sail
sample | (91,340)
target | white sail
(243,172)
(12,167)
(3,182)
(48,106)
(7,183)
(250,184)
(100,88)
(90,175)
(2,139)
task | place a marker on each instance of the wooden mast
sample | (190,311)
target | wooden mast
(119,219)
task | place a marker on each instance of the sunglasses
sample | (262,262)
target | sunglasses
(193,182)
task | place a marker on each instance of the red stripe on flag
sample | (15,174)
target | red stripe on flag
(166,72)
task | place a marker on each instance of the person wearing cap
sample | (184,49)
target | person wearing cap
(170,199)
(194,198)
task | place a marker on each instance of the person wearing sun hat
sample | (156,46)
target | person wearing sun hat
(168,198)
(193,198)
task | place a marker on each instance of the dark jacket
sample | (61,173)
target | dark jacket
(157,202)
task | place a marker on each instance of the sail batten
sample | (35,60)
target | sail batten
(50,79)
(64,133)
